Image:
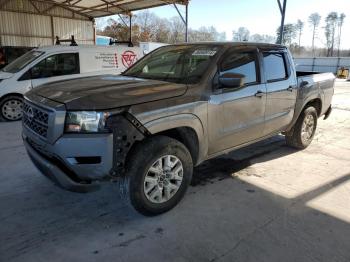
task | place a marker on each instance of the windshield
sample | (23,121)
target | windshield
(22,61)
(178,64)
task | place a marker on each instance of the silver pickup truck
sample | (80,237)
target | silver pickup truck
(175,108)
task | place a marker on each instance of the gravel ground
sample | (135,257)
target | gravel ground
(266,202)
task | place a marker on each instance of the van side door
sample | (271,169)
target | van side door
(281,90)
(55,68)
(236,115)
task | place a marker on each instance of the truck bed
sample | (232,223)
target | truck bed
(315,85)
(307,73)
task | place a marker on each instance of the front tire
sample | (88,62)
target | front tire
(304,129)
(11,108)
(158,173)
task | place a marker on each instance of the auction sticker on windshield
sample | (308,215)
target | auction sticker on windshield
(204,52)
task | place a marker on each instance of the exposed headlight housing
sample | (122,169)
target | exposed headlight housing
(86,122)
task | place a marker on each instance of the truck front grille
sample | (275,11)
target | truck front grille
(35,119)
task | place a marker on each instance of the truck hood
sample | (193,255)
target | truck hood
(107,91)
(5,75)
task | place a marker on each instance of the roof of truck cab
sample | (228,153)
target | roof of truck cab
(95,47)
(251,44)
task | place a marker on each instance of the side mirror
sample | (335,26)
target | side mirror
(231,80)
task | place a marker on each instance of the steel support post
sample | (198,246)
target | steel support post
(283,14)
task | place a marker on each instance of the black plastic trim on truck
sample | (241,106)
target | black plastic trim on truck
(126,131)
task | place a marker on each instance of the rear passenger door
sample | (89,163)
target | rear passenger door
(236,115)
(281,91)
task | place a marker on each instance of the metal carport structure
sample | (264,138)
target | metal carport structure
(85,10)
(38,22)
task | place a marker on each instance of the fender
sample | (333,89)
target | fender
(300,105)
(182,120)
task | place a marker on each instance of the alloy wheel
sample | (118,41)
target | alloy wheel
(163,179)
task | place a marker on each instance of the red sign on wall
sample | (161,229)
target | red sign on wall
(128,58)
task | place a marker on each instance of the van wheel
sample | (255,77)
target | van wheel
(11,108)
(158,173)
(304,129)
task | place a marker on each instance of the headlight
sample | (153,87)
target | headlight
(86,122)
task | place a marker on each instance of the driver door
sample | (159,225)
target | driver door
(236,114)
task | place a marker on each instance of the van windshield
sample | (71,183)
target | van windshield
(178,64)
(22,61)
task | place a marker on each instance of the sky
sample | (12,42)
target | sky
(261,16)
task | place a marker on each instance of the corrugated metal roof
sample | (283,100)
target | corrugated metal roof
(98,8)
(40,7)
(37,22)
(82,9)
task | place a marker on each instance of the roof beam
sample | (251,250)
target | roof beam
(35,7)
(48,9)
(82,10)
(86,10)
(112,4)
(64,7)
(102,8)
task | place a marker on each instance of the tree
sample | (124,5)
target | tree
(242,34)
(330,28)
(206,34)
(147,26)
(177,30)
(160,31)
(115,29)
(299,27)
(257,38)
(340,25)
(314,21)
(289,33)
(221,37)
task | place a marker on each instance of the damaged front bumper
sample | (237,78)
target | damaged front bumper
(77,162)
(73,162)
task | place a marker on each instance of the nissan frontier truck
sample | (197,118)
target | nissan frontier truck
(175,108)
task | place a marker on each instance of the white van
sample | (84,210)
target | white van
(55,63)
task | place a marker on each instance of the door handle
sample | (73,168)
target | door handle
(259,93)
(290,88)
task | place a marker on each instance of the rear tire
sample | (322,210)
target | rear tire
(304,129)
(159,172)
(11,108)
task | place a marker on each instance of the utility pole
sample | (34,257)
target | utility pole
(283,14)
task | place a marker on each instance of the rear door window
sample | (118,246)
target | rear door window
(57,65)
(275,66)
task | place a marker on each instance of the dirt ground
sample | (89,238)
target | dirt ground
(266,202)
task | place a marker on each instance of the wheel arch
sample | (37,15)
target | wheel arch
(314,101)
(11,94)
(187,129)
(185,135)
